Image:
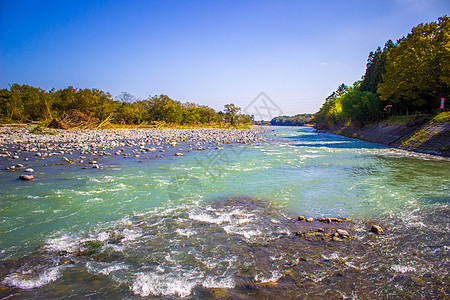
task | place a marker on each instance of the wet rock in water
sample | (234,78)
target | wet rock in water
(15,157)
(335,220)
(309,220)
(342,232)
(95,166)
(19,166)
(301,218)
(29,170)
(179,154)
(336,239)
(90,247)
(320,230)
(418,281)
(376,229)
(26,177)
(93,162)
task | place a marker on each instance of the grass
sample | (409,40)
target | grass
(444,148)
(443,117)
(404,120)
(38,129)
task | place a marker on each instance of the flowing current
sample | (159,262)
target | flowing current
(222,223)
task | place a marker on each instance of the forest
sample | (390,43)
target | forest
(297,120)
(409,77)
(89,108)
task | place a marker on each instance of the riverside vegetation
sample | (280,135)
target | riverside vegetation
(408,77)
(398,100)
(93,108)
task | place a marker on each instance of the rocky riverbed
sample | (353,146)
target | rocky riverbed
(21,146)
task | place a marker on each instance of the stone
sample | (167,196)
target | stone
(26,177)
(179,154)
(418,281)
(335,220)
(92,162)
(343,233)
(95,166)
(29,170)
(309,220)
(15,157)
(19,166)
(376,229)
(301,218)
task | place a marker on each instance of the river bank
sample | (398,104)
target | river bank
(421,135)
(21,146)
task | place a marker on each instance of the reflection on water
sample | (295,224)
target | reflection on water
(222,224)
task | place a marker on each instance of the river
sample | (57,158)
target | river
(221,223)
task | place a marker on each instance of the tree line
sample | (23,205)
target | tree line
(410,76)
(297,120)
(71,106)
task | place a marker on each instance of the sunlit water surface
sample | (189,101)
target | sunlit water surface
(218,223)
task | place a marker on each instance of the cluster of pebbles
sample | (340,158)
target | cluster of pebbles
(82,146)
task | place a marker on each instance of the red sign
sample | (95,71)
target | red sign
(442,103)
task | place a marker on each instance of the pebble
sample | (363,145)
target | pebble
(309,220)
(29,170)
(342,232)
(95,166)
(376,229)
(19,166)
(301,218)
(15,157)
(26,177)
(179,154)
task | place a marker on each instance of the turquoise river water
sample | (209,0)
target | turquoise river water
(221,224)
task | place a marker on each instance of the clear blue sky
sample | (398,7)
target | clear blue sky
(207,52)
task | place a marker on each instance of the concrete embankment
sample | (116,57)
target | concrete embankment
(422,136)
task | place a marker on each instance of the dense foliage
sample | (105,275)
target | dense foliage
(71,106)
(297,120)
(407,77)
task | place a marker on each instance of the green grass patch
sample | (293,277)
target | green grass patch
(38,129)
(404,120)
(443,117)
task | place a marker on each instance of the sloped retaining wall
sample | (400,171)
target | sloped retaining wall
(424,137)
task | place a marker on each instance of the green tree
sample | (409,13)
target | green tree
(376,67)
(28,103)
(232,113)
(418,69)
